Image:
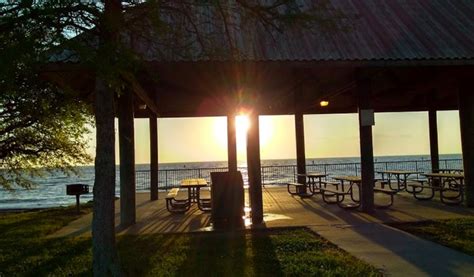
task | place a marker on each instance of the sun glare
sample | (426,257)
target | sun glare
(242,124)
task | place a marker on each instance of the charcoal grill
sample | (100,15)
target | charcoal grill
(77,190)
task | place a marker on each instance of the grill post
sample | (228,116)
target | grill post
(78,205)
(77,190)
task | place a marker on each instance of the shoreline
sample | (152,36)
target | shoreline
(22,210)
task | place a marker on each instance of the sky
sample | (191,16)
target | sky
(326,136)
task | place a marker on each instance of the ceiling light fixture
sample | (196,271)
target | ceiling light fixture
(324,103)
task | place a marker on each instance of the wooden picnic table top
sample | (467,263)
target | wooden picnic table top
(312,174)
(193,182)
(444,175)
(450,169)
(354,179)
(399,172)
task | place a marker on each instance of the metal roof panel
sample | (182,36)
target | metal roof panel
(378,30)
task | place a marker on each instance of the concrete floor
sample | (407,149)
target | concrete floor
(280,210)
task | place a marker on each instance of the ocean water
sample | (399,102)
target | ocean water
(51,189)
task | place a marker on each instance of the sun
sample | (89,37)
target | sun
(242,125)
(266,129)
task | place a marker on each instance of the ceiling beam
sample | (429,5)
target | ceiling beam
(140,92)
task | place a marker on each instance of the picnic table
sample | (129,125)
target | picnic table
(401,176)
(193,185)
(356,181)
(314,180)
(350,179)
(353,181)
(442,182)
(450,170)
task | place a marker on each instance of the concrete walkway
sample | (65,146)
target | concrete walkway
(363,235)
(396,252)
(281,210)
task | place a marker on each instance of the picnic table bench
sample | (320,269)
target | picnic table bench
(204,203)
(326,182)
(388,192)
(174,205)
(419,180)
(339,194)
(299,189)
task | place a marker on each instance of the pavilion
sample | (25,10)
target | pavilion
(391,56)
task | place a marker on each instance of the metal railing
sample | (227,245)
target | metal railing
(170,178)
(282,174)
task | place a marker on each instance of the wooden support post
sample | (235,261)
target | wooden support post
(300,150)
(231,143)
(127,159)
(254,173)
(366,144)
(434,152)
(466,117)
(153,157)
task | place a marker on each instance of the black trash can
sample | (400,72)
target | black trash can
(227,200)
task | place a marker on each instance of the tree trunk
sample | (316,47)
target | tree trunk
(105,257)
(105,260)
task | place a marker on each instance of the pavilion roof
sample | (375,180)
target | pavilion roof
(371,30)
(413,50)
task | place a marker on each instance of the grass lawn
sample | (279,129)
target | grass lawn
(455,233)
(24,250)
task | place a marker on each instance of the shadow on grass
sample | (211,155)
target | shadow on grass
(264,254)
(279,252)
(25,250)
(38,223)
(42,257)
(200,254)
(184,254)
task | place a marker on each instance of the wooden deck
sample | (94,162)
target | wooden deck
(280,210)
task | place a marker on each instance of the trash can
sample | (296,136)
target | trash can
(227,200)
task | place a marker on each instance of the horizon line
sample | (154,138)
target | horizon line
(310,158)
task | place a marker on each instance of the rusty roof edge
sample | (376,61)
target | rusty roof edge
(336,63)
(55,66)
